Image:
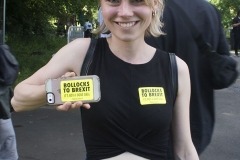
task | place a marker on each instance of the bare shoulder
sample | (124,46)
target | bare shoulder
(183,76)
(71,56)
(78,46)
(68,59)
(182,66)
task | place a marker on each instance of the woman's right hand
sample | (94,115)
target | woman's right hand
(69,105)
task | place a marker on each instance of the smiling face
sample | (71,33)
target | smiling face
(126,19)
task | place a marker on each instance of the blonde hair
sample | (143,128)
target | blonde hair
(155,26)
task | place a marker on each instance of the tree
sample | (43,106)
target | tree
(228,10)
(36,16)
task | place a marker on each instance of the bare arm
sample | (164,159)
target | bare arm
(182,142)
(236,24)
(30,93)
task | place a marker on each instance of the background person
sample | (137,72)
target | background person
(179,39)
(236,32)
(123,124)
(8,144)
(88,29)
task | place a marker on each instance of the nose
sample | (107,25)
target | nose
(125,9)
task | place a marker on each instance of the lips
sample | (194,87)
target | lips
(126,24)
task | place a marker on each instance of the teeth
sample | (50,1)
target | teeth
(126,25)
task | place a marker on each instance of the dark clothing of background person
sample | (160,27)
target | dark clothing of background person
(88,29)
(179,39)
(236,34)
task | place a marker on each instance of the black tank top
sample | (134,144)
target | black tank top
(124,119)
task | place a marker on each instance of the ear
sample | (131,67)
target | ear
(155,5)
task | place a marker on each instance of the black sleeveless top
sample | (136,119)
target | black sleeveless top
(128,117)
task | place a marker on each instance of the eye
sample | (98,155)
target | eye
(137,1)
(114,1)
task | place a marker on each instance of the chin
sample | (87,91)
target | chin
(127,37)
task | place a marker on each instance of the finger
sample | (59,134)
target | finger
(79,104)
(69,74)
(65,75)
(87,106)
(65,107)
(72,74)
(76,105)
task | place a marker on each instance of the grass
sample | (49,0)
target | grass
(33,52)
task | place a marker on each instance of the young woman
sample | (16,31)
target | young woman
(122,125)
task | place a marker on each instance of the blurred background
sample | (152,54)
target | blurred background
(35,30)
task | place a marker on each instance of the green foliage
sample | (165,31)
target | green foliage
(228,10)
(35,16)
(27,51)
(31,27)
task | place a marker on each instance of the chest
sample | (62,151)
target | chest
(132,96)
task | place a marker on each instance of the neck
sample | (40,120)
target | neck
(134,52)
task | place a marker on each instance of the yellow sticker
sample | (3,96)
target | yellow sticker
(77,90)
(152,95)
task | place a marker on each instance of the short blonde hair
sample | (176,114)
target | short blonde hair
(155,26)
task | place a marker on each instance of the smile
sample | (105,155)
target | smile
(127,25)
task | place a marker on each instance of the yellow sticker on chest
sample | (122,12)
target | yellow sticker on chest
(76,90)
(152,95)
